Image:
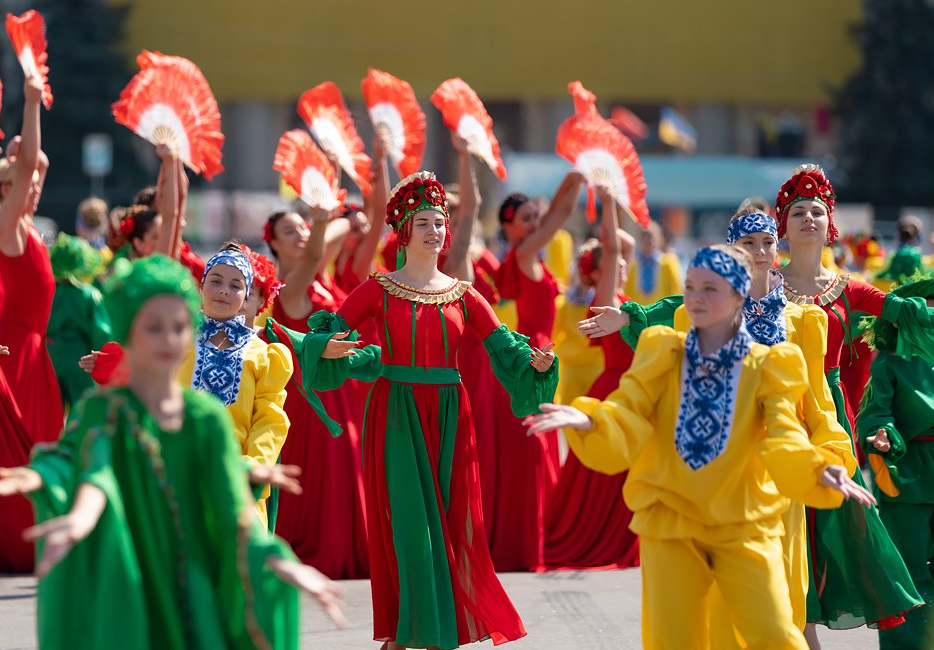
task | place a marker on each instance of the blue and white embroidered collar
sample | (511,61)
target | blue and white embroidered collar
(765,318)
(648,270)
(708,397)
(218,371)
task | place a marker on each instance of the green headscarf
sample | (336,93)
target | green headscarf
(74,260)
(134,283)
(909,339)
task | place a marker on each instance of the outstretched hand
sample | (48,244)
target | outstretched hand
(880,441)
(835,477)
(88,361)
(338,348)
(19,480)
(283,477)
(4,350)
(556,416)
(605,321)
(328,593)
(62,533)
(543,359)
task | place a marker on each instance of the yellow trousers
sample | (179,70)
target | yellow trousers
(723,635)
(677,576)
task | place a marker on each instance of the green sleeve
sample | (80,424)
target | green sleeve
(907,311)
(641,317)
(99,321)
(510,357)
(876,412)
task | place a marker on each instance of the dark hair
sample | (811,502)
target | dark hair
(146,196)
(510,206)
(909,228)
(755,205)
(269,230)
(143,218)
(231,245)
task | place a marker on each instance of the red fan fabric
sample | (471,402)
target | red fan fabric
(584,100)
(607,158)
(464,113)
(308,171)
(324,112)
(170,102)
(2,134)
(27,32)
(398,119)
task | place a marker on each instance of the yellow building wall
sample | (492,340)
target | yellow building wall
(736,51)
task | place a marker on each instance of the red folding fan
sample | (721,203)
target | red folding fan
(323,110)
(170,102)
(463,113)
(607,158)
(28,35)
(308,171)
(397,118)
(584,100)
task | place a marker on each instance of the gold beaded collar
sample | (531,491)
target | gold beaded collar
(832,292)
(437,297)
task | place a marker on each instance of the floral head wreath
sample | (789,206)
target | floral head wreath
(414,194)
(264,275)
(808,183)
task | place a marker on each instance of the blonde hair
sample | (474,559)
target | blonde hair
(93,212)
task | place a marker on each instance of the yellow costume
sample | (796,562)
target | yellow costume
(806,327)
(259,420)
(667,281)
(720,523)
(581,362)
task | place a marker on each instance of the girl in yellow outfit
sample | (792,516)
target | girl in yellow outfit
(708,427)
(655,273)
(248,375)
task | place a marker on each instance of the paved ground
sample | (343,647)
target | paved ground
(565,610)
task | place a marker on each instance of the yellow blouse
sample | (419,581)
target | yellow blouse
(668,282)
(259,418)
(741,493)
(581,362)
(806,327)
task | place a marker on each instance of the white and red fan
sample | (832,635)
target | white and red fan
(607,158)
(170,102)
(397,118)
(584,100)
(28,35)
(308,171)
(323,110)
(463,113)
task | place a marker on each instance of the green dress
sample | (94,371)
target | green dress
(177,559)
(900,399)
(78,324)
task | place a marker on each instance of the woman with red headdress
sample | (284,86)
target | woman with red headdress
(857,576)
(326,523)
(517,541)
(432,578)
(28,287)
(587,521)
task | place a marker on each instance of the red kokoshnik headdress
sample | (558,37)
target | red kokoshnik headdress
(414,194)
(808,183)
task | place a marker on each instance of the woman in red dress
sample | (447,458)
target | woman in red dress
(28,288)
(587,521)
(529,465)
(326,523)
(432,579)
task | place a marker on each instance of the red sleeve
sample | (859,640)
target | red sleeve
(480,316)
(864,297)
(360,304)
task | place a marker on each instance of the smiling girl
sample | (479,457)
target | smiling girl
(706,423)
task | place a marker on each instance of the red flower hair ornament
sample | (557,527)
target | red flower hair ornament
(414,194)
(808,183)
(264,276)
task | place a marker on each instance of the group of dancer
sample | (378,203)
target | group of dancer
(188,440)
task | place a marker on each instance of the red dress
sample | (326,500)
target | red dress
(527,465)
(587,521)
(432,579)
(30,384)
(326,524)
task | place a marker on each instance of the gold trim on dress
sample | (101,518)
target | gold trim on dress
(427,297)
(833,291)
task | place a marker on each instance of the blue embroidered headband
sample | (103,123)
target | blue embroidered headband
(235,259)
(748,224)
(724,265)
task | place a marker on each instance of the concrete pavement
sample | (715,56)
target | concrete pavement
(567,610)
